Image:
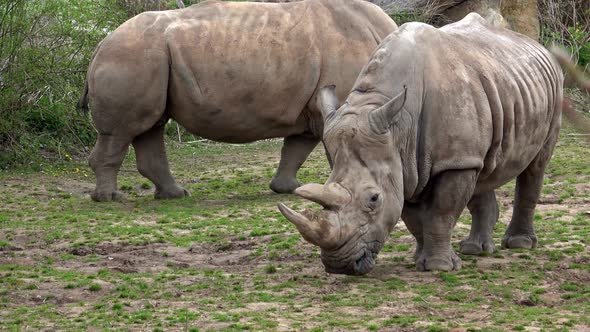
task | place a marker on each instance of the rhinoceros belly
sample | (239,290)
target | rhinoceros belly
(242,76)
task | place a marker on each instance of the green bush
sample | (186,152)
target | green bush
(45,48)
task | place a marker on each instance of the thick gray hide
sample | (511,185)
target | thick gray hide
(227,71)
(483,106)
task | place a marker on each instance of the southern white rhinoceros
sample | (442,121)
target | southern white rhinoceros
(227,71)
(473,107)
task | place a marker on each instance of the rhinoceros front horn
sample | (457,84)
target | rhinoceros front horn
(321,230)
(381,119)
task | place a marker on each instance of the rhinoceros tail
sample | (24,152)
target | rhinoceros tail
(82,105)
(578,121)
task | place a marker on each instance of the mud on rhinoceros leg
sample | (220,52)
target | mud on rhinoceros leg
(105,160)
(448,196)
(484,212)
(152,163)
(295,151)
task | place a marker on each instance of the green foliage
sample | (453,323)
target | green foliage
(402,17)
(567,23)
(45,48)
(576,40)
(425,15)
(580,41)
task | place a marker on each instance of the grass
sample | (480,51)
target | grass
(225,259)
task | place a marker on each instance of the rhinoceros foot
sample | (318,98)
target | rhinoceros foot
(516,241)
(284,185)
(107,196)
(476,246)
(439,262)
(175,192)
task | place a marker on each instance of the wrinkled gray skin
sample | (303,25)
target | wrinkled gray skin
(482,106)
(227,71)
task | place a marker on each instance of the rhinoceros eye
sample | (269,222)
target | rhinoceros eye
(372,201)
(375,198)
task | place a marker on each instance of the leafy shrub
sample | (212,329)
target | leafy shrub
(45,48)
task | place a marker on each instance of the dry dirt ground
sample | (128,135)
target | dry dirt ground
(225,259)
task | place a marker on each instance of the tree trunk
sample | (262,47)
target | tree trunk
(522,15)
(518,15)
(488,9)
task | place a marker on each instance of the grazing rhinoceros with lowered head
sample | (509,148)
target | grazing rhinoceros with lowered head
(473,107)
(227,71)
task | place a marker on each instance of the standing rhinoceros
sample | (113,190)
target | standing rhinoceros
(227,71)
(473,107)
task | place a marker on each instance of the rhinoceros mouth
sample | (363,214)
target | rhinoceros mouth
(362,263)
(365,263)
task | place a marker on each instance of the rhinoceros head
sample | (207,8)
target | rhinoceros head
(363,197)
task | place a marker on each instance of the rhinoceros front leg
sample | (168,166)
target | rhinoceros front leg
(295,151)
(411,215)
(484,212)
(152,163)
(439,211)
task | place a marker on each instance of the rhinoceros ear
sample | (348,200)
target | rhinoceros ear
(381,119)
(327,101)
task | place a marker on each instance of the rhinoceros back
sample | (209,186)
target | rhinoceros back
(494,99)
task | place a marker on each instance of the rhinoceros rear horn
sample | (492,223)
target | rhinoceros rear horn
(331,196)
(381,119)
(327,101)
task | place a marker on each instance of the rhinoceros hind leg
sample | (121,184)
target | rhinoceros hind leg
(295,151)
(105,160)
(152,163)
(520,232)
(484,211)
